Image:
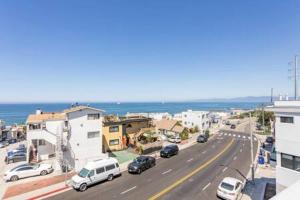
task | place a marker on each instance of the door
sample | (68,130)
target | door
(100,174)
(91,177)
(25,172)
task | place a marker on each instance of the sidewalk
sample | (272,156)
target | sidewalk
(53,185)
(263,175)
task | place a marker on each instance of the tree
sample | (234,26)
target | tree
(196,129)
(184,135)
(207,133)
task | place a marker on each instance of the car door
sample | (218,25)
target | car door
(100,174)
(238,189)
(25,172)
(91,177)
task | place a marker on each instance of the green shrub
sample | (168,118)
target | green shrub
(207,133)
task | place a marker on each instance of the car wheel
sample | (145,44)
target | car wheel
(110,177)
(139,171)
(10,161)
(83,187)
(44,172)
(14,178)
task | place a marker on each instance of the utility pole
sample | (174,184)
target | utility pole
(263,118)
(271,95)
(251,146)
(295,71)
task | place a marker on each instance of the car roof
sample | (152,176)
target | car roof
(100,163)
(230,180)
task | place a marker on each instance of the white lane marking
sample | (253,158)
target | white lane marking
(225,134)
(249,138)
(189,160)
(224,169)
(233,135)
(244,137)
(255,139)
(241,150)
(234,158)
(239,135)
(213,146)
(167,171)
(221,133)
(128,190)
(243,144)
(206,187)
(204,152)
(229,134)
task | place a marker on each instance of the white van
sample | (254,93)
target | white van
(96,171)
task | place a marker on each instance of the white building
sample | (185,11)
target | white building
(73,136)
(191,119)
(155,116)
(287,142)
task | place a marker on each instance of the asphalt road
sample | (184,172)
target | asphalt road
(193,174)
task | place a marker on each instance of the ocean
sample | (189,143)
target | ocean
(17,113)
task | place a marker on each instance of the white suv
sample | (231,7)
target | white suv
(229,188)
(27,170)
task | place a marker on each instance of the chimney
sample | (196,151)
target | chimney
(38,111)
(286,97)
(280,97)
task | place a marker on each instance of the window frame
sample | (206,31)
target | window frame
(110,144)
(110,167)
(93,116)
(286,119)
(293,162)
(96,134)
(111,129)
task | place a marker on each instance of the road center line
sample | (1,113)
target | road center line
(204,152)
(234,158)
(167,171)
(189,160)
(224,169)
(206,187)
(128,190)
(181,180)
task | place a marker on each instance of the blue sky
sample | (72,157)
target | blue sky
(141,50)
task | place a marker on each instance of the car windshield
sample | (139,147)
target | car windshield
(227,186)
(83,172)
(138,160)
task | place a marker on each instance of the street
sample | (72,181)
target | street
(193,174)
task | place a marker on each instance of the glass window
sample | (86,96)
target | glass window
(24,168)
(287,161)
(227,186)
(100,170)
(113,129)
(297,164)
(114,142)
(42,142)
(117,164)
(93,116)
(83,172)
(92,173)
(93,134)
(110,167)
(287,119)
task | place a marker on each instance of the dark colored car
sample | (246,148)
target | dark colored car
(140,164)
(15,157)
(12,141)
(233,126)
(269,140)
(201,139)
(169,151)
(3,144)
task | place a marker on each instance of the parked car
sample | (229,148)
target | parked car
(233,126)
(12,141)
(140,164)
(96,171)
(15,156)
(3,144)
(162,138)
(269,140)
(227,123)
(27,170)
(229,188)
(201,139)
(169,151)
(174,139)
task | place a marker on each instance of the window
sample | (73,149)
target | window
(24,169)
(110,167)
(42,142)
(92,173)
(290,162)
(100,170)
(287,120)
(114,142)
(113,129)
(34,126)
(117,164)
(93,134)
(93,116)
